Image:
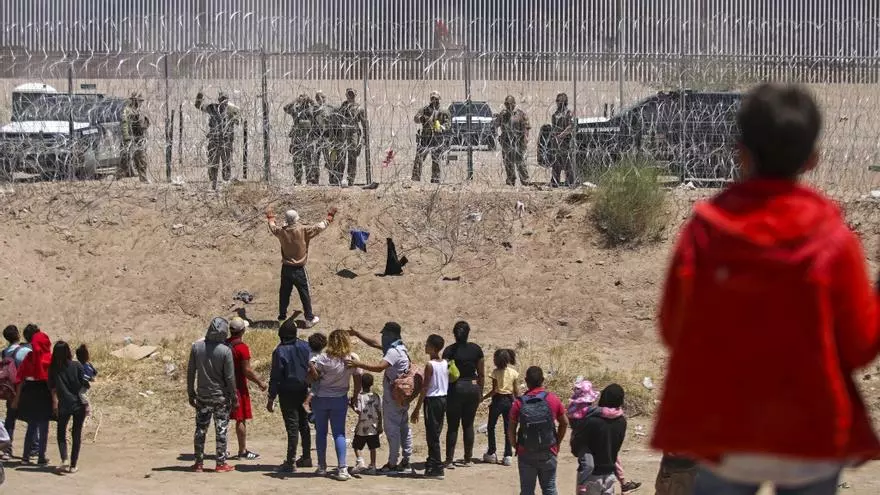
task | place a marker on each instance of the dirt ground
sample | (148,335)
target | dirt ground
(101,261)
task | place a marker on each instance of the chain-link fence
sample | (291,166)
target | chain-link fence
(658,79)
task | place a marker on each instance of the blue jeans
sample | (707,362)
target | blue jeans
(539,468)
(709,483)
(332,409)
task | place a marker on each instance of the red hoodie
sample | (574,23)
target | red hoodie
(35,366)
(767,312)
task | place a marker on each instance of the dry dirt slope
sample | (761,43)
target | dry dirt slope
(108,260)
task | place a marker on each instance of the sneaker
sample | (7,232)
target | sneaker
(198,467)
(507,461)
(434,474)
(224,468)
(314,321)
(282,317)
(247,455)
(359,466)
(630,486)
(72,469)
(341,474)
(286,468)
(465,463)
(63,468)
(388,469)
(43,462)
(321,471)
(404,467)
(371,471)
(5,456)
(449,465)
(304,462)
(490,458)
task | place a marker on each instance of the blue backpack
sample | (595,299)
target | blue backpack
(537,430)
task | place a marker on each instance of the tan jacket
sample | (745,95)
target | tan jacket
(295,241)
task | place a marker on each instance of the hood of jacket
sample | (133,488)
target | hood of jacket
(771,214)
(218,331)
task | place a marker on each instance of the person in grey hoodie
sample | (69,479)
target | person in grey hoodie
(210,384)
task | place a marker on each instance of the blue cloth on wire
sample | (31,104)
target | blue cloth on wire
(359,239)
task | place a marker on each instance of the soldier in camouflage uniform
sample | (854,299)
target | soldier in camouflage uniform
(322,113)
(134,138)
(514,125)
(302,139)
(561,128)
(435,122)
(354,128)
(222,119)
(210,386)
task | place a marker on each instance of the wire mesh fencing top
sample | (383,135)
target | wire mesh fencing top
(639,76)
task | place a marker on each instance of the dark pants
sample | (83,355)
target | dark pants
(305,433)
(463,401)
(708,483)
(37,433)
(79,417)
(290,403)
(539,468)
(561,162)
(9,423)
(219,155)
(433,145)
(294,276)
(500,406)
(435,414)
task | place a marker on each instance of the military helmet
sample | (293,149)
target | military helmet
(509,99)
(221,97)
(435,94)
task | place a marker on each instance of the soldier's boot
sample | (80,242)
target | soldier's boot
(509,172)
(212,176)
(140,162)
(435,170)
(523,173)
(313,173)
(417,168)
(352,170)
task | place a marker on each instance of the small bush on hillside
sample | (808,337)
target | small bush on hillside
(629,202)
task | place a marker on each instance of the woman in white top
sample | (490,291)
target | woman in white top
(433,395)
(330,403)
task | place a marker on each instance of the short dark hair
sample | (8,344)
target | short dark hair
(504,358)
(461,331)
(612,396)
(82,354)
(366,382)
(10,333)
(317,342)
(288,330)
(436,342)
(29,331)
(779,126)
(534,377)
(393,328)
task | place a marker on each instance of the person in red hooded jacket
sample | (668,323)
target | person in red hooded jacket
(767,312)
(33,399)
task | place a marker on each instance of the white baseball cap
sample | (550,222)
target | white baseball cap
(238,324)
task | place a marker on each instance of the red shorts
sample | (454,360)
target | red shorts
(243,411)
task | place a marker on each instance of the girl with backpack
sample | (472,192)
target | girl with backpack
(67,381)
(32,399)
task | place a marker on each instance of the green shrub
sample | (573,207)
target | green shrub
(630,202)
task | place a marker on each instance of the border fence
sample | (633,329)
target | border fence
(602,53)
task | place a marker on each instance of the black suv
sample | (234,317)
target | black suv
(480,134)
(693,132)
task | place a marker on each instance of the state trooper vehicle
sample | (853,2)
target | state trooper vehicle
(692,133)
(38,141)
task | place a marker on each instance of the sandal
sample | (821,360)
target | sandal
(247,455)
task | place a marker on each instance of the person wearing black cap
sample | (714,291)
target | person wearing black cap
(222,119)
(354,130)
(395,362)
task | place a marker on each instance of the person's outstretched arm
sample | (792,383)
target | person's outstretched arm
(370,341)
(314,230)
(855,305)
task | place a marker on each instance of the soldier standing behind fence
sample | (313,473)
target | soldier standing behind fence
(354,127)
(561,128)
(514,125)
(302,134)
(322,113)
(134,138)
(432,137)
(222,119)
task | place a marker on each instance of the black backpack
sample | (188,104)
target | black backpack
(537,430)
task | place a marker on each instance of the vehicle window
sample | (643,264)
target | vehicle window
(479,109)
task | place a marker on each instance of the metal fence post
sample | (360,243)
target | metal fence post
(620,53)
(265,101)
(71,155)
(244,149)
(470,111)
(368,166)
(169,124)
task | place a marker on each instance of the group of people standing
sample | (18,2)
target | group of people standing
(46,384)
